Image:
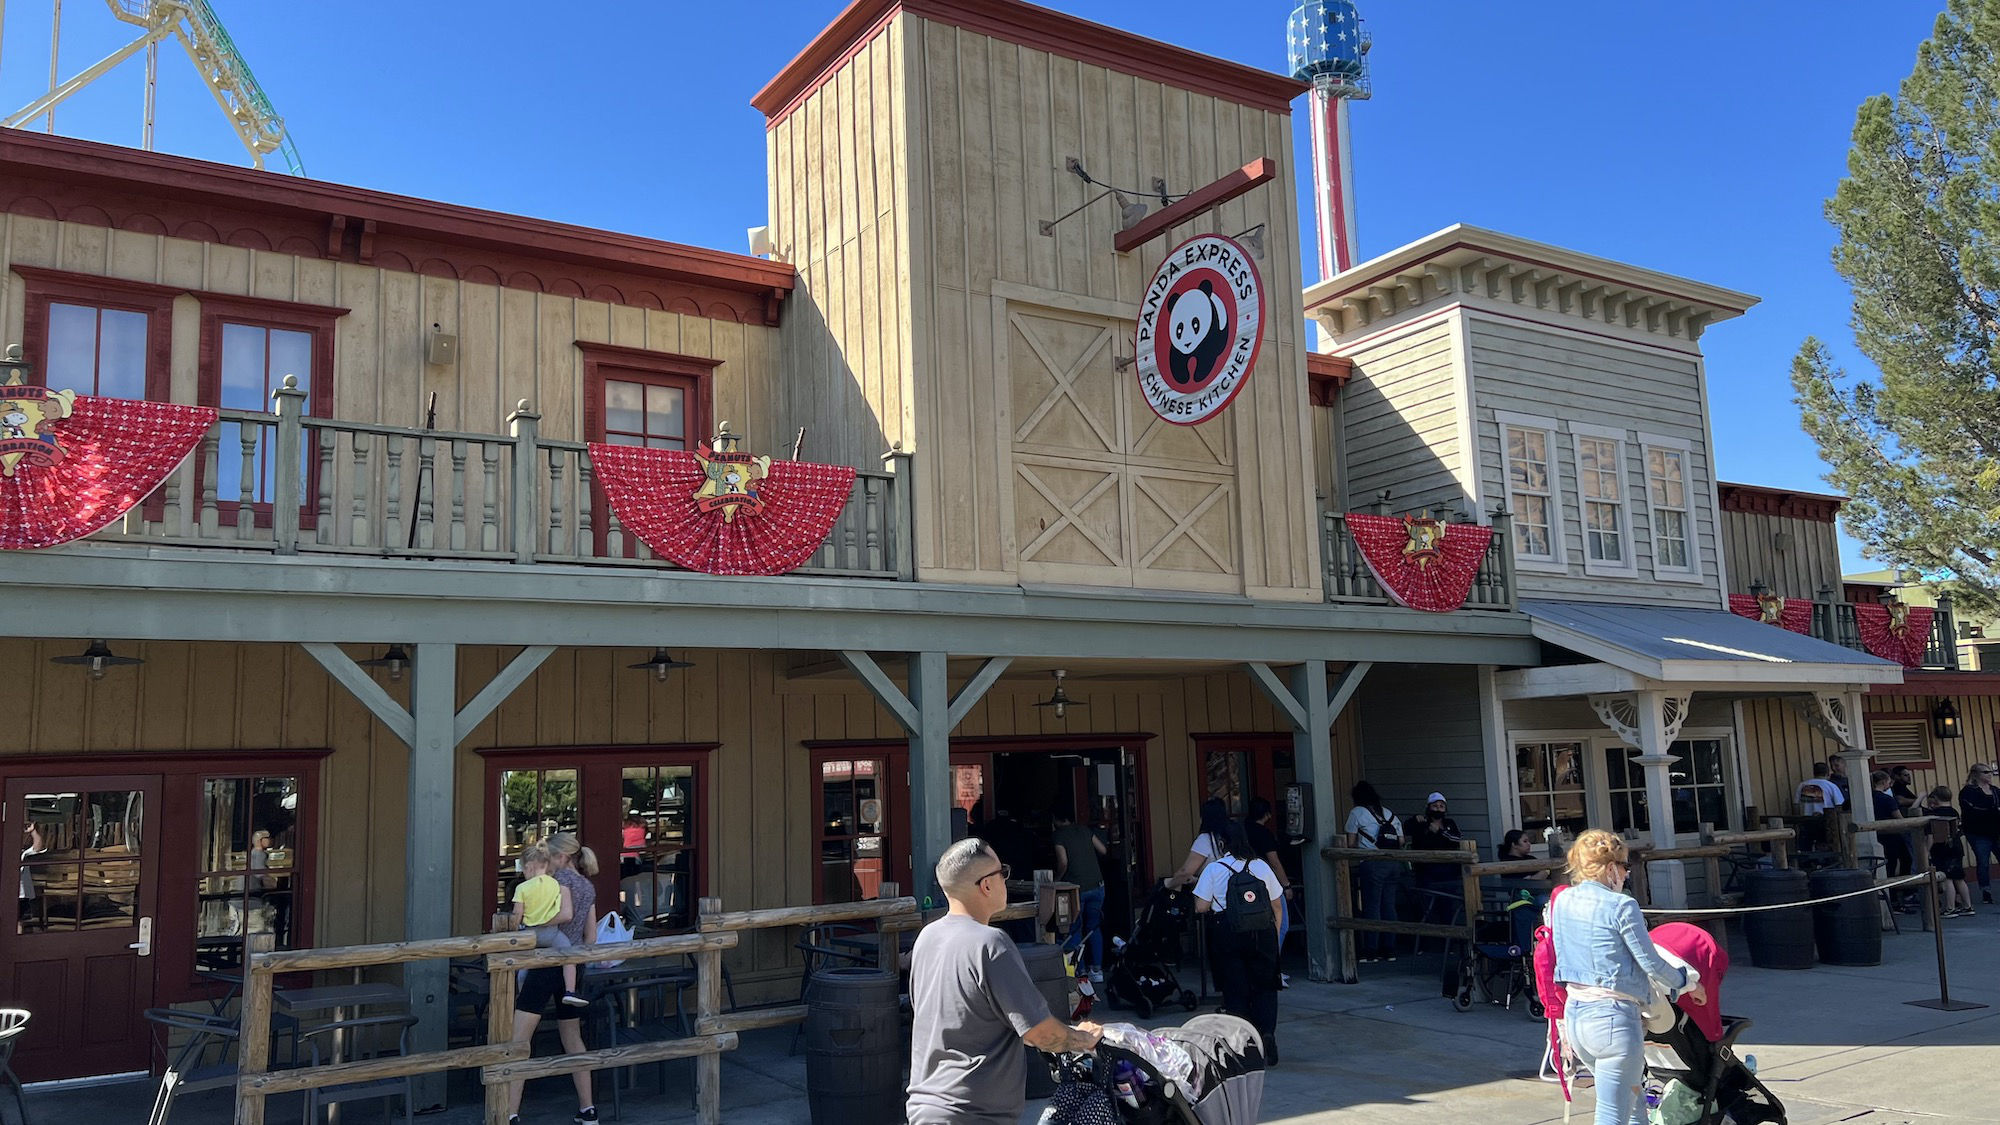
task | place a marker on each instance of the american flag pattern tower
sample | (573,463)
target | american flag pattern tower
(1328,47)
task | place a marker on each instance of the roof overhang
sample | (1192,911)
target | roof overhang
(1673,647)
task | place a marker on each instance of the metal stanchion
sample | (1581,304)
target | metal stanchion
(1944,1002)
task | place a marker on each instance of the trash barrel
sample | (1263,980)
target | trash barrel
(1779,939)
(1046,968)
(1848,931)
(855,1047)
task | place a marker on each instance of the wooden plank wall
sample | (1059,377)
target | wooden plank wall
(840,212)
(1399,421)
(513,344)
(1808,561)
(989,126)
(1529,369)
(1784,746)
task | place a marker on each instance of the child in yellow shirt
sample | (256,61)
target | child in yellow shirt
(541,904)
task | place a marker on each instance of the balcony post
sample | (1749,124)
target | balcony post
(1503,532)
(1944,633)
(287,483)
(524,508)
(902,509)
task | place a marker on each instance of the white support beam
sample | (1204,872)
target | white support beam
(364,688)
(1279,694)
(975,689)
(881,687)
(1346,686)
(930,770)
(427,850)
(496,692)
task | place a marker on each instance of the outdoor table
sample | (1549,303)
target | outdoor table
(340,1001)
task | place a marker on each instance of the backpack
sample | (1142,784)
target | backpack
(1248,906)
(1386,835)
(1554,997)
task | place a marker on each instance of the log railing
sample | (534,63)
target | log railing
(400,492)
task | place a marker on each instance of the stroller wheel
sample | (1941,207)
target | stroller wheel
(1143,1007)
(1189,1000)
(1461,1000)
(1536,1010)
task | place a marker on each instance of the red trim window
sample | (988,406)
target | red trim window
(98,335)
(634,397)
(248,346)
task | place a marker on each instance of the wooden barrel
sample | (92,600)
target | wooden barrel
(1849,932)
(1046,969)
(1779,939)
(855,1047)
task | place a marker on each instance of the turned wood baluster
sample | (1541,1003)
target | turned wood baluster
(325,440)
(357,516)
(210,465)
(247,434)
(586,476)
(489,496)
(426,491)
(392,532)
(458,454)
(556,502)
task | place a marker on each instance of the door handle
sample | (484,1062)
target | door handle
(144,946)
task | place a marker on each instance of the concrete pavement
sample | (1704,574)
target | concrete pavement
(1836,1044)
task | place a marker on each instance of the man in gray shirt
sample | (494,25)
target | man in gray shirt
(974,1001)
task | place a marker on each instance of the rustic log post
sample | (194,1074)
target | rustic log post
(708,1007)
(1469,887)
(1343,910)
(1711,866)
(890,954)
(499,1028)
(253,1038)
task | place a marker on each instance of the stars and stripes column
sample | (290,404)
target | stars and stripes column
(1328,47)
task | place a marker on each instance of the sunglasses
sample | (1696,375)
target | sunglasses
(1004,872)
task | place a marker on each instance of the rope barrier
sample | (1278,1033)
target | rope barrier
(1873,889)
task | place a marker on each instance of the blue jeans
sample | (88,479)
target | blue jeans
(1982,855)
(1608,1038)
(1088,932)
(1378,900)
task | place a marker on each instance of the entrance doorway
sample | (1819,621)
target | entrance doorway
(79,940)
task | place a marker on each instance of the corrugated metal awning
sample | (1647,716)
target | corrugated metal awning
(1701,646)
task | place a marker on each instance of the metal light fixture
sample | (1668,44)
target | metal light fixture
(1060,699)
(1945,721)
(660,664)
(395,660)
(14,370)
(98,658)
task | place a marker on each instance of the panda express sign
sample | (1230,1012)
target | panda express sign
(1201,322)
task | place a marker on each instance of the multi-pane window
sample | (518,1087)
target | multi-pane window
(1667,495)
(247,862)
(854,828)
(1549,778)
(1597,475)
(254,362)
(654,415)
(534,805)
(1531,492)
(97,350)
(1698,786)
(658,850)
(80,863)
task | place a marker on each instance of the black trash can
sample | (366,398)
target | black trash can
(1849,931)
(1046,969)
(855,1047)
(1779,939)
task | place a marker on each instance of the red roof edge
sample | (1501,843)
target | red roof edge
(1941,683)
(1325,375)
(1029,26)
(1818,507)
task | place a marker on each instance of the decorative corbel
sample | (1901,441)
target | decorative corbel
(1621,714)
(1827,714)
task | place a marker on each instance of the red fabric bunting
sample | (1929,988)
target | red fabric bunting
(1794,614)
(1881,636)
(1438,576)
(113,453)
(652,492)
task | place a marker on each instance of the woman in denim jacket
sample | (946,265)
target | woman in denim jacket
(1606,958)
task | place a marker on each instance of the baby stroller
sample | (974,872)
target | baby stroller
(1128,1083)
(1142,974)
(1718,1088)
(1499,966)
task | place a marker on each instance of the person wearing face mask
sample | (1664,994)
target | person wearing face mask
(1441,882)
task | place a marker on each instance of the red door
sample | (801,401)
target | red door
(81,958)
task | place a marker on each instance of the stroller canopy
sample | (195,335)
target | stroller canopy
(1695,946)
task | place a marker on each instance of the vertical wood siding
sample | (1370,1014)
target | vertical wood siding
(1784,746)
(1808,562)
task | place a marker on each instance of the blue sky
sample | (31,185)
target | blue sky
(1699,138)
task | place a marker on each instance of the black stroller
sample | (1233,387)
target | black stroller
(1499,967)
(1724,1090)
(1142,975)
(1227,1083)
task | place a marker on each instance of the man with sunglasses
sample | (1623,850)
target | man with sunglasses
(974,1003)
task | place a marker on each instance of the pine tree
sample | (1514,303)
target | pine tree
(1917,451)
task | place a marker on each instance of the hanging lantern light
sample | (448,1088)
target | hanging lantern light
(1059,699)
(395,660)
(1945,722)
(98,658)
(660,664)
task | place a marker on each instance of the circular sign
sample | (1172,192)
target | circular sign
(1201,322)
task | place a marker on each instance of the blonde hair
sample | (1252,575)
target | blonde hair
(1593,854)
(535,853)
(566,844)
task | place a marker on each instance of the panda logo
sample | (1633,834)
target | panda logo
(1199,334)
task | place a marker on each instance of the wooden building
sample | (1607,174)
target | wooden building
(353,711)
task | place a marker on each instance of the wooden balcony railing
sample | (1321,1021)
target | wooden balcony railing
(397,492)
(1834,621)
(1349,580)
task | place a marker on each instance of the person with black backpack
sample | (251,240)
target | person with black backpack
(1238,893)
(1374,826)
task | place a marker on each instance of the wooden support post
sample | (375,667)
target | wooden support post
(930,772)
(428,850)
(708,1066)
(253,1040)
(889,954)
(288,402)
(524,482)
(499,1029)
(1711,866)
(1343,909)
(1469,887)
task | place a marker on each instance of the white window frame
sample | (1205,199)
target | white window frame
(1597,742)
(1628,566)
(1555,562)
(1666,444)
(1598,779)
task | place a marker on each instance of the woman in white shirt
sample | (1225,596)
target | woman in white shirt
(1214,823)
(1243,951)
(1376,827)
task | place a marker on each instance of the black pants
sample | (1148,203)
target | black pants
(1896,851)
(1246,970)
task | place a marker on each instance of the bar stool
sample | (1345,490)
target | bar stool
(13,1021)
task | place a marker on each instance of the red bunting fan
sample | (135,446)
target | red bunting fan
(1789,613)
(1894,631)
(73,465)
(1421,562)
(770,523)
